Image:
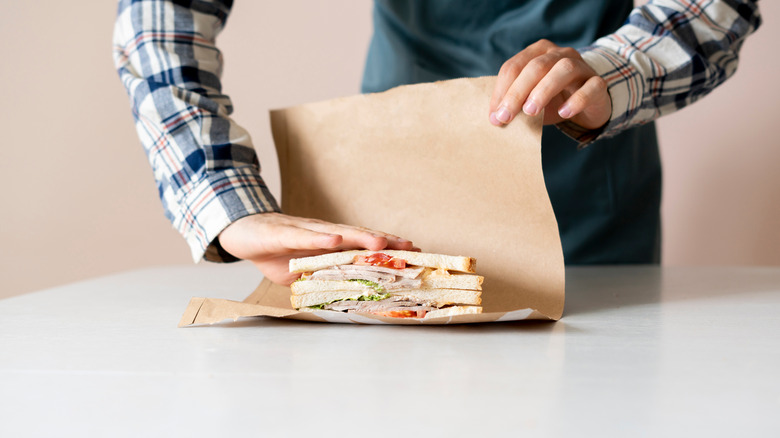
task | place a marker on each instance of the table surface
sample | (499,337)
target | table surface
(640,351)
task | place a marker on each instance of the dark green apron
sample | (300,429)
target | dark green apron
(606,197)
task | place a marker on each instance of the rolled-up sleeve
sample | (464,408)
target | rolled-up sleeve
(205,166)
(667,55)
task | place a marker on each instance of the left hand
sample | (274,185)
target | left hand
(553,78)
(270,240)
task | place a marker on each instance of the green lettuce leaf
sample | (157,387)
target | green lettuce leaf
(371,284)
(374,297)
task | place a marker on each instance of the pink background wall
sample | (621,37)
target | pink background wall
(79,199)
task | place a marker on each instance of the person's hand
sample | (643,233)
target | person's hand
(555,78)
(270,240)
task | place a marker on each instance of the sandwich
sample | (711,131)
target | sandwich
(391,283)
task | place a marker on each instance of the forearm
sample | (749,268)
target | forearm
(205,166)
(668,55)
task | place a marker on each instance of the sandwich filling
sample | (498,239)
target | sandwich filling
(387,278)
(396,287)
(396,307)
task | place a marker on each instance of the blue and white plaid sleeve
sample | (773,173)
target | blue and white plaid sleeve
(205,166)
(668,54)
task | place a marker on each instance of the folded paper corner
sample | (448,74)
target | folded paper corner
(191,313)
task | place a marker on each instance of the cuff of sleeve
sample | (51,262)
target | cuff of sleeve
(624,85)
(217,201)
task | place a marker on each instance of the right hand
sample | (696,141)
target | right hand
(270,240)
(556,79)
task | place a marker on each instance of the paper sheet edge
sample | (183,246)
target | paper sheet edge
(193,315)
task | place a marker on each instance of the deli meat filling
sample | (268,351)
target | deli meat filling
(392,304)
(388,278)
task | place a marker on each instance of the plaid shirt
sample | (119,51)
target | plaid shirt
(667,55)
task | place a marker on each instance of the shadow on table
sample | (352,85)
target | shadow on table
(599,289)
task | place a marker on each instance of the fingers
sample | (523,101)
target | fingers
(273,238)
(516,97)
(593,90)
(278,271)
(389,241)
(542,77)
(512,68)
(358,237)
(296,238)
(563,74)
(289,237)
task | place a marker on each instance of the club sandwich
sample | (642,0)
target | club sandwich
(391,283)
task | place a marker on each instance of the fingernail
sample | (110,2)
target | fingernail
(564,111)
(494,120)
(404,240)
(530,108)
(503,115)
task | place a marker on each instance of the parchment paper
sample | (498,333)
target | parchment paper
(422,162)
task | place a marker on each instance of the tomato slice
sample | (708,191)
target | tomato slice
(400,314)
(380,259)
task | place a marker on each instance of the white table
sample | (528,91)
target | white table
(641,351)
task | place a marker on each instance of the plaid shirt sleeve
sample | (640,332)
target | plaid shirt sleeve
(668,54)
(205,166)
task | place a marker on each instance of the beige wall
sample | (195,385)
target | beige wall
(79,199)
(721,158)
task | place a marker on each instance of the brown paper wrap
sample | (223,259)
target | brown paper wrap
(422,162)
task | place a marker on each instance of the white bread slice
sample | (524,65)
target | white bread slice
(439,297)
(436,261)
(440,279)
(452,311)
(457,281)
